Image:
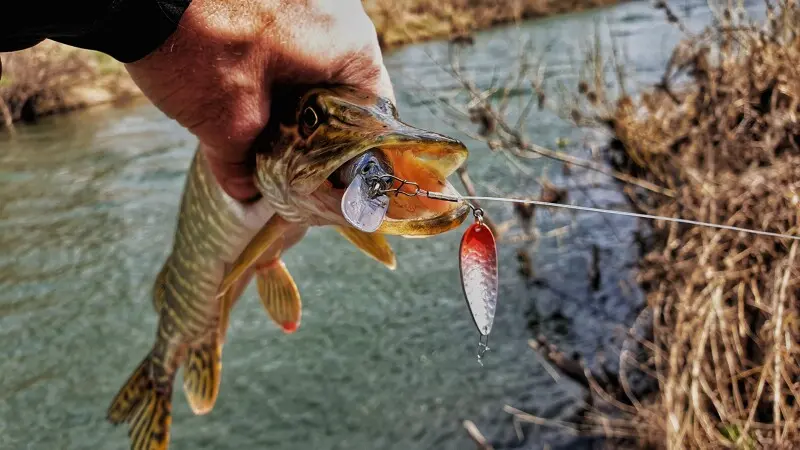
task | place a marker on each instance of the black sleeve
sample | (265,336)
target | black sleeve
(127,30)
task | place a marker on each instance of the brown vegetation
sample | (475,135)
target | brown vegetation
(720,138)
(51,78)
(400,22)
(726,308)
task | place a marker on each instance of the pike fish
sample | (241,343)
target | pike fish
(304,159)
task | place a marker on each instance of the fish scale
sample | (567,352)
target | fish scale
(196,256)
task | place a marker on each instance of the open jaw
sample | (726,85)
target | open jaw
(426,166)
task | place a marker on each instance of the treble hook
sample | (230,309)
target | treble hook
(387,180)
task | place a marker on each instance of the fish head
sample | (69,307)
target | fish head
(316,131)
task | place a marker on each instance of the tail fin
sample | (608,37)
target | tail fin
(147,410)
(201,376)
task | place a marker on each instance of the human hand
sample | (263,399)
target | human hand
(215,74)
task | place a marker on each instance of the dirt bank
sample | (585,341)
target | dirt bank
(51,78)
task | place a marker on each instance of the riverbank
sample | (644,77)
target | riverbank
(409,21)
(725,306)
(52,79)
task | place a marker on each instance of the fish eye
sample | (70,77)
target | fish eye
(310,119)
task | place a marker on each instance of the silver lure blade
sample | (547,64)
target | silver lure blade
(360,209)
(479,274)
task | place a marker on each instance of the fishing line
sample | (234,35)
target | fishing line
(384,184)
(478,250)
(619,213)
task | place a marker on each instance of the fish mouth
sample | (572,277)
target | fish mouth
(423,160)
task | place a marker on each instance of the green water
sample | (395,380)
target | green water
(383,360)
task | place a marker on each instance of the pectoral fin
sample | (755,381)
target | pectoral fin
(227,301)
(261,242)
(373,244)
(201,376)
(279,295)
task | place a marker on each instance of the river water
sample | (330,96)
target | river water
(383,360)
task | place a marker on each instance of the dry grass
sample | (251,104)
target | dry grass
(404,21)
(51,78)
(725,308)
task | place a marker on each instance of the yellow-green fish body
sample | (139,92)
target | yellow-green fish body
(220,244)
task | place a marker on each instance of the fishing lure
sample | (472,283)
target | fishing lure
(362,210)
(364,206)
(479,277)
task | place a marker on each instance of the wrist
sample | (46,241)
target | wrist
(131,29)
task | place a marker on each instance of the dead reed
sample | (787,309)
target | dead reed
(725,308)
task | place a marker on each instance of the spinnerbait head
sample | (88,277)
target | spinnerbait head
(363,204)
(370,164)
